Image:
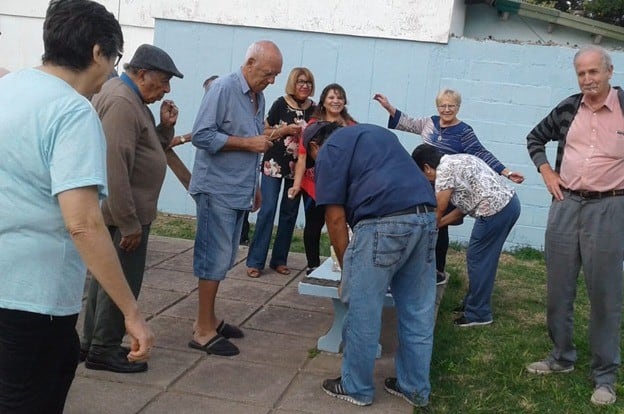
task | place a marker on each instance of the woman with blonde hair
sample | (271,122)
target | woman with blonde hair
(450,136)
(288,115)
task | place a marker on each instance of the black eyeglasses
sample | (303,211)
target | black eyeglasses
(119,56)
(304,83)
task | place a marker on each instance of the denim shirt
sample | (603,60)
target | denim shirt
(230,177)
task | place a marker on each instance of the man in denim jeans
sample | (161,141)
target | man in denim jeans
(367,180)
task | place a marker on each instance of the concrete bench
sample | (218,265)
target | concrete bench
(323,282)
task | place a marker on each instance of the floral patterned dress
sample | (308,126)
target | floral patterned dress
(279,161)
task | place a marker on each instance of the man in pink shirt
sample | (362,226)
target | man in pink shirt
(586,221)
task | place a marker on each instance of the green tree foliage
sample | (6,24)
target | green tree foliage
(608,11)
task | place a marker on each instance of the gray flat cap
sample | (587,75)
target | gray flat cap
(154,58)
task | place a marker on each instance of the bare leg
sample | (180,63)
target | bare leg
(205,326)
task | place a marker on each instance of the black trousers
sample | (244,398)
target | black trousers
(245,230)
(38,360)
(314,222)
(442,248)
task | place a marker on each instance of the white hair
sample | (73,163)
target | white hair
(604,55)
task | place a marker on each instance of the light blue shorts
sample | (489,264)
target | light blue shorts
(217,238)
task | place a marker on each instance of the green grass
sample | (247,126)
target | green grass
(481,369)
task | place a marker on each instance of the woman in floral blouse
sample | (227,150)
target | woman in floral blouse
(475,190)
(288,115)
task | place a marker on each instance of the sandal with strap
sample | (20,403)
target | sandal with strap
(253,272)
(281,269)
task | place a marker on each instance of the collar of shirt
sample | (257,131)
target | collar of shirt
(610,103)
(245,89)
(126,79)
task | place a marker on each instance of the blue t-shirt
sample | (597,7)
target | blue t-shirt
(51,140)
(366,169)
(227,109)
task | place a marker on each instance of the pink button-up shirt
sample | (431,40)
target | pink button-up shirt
(593,159)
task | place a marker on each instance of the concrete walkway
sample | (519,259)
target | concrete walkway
(277,371)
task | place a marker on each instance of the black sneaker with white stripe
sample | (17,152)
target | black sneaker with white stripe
(334,388)
(391,385)
(441,278)
(464,322)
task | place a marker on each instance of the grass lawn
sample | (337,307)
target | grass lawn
(481,369)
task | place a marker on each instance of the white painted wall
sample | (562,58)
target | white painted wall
(417,20)
(21,23)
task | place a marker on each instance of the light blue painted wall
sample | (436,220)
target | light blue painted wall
(506,88)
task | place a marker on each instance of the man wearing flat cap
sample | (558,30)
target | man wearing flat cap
(136,165)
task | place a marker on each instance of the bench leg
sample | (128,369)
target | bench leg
(331,341)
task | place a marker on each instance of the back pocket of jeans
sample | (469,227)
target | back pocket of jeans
(389,248)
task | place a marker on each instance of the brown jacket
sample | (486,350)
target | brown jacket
(135,157)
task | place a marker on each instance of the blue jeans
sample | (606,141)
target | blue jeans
(289,208)
(484,249)
(399,252)
(217,237)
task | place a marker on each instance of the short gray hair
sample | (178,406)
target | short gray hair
(454,95)
(604,55)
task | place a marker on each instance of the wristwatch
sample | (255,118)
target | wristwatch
(182,139)
(508,174)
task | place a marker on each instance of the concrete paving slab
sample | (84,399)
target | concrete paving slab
(154,257)
(326,363)
(275,373)
(169,244)
(153,301)
(180,263)
(173,333)
(256,291)
(289,297)
(165,367)
(296,261)
(306,395)
(97,396)
(181,403)
(236,380)
(167,279)
(232,311)
(275,349)
(291,321)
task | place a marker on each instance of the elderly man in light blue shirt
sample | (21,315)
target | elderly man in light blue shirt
(228,135)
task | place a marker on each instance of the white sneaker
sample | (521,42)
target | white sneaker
(603,395)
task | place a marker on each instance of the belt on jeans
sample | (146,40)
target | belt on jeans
(418,209)
(595,194)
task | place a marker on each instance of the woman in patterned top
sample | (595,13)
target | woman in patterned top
(450,136)
(288,115)
(476,190)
